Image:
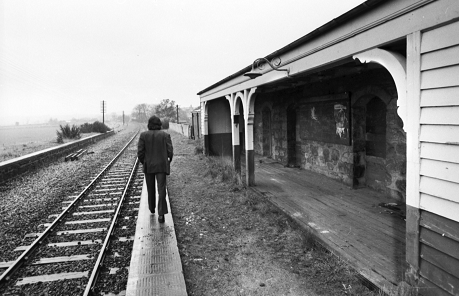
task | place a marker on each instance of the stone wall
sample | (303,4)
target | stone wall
(346,163)
(395,154)
(332,160)
(17,166)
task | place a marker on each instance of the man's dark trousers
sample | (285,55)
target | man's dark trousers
(162,203)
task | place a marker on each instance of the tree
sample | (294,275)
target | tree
(185,115)
(166,109)
(142,112)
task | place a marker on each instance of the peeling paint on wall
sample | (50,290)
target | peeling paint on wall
(313,114)
(341,121)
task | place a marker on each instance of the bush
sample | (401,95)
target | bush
(96,127)
(60,139)
(68,132)
(198,150)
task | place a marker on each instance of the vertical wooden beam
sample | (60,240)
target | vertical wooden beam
(250,154)
(249,115)
(413,154)
(205,127)
(235,136)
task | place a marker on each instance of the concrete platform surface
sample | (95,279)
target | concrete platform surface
(155,267)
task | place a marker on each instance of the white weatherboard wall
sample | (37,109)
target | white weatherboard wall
(439,122)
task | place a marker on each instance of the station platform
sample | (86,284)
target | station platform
(155,268)
(351,223)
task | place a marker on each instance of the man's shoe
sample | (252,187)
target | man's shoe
(161,219)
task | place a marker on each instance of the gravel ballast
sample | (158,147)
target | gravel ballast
(29,199)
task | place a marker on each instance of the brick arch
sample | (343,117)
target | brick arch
(364,94)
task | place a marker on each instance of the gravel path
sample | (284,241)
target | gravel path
(26,201)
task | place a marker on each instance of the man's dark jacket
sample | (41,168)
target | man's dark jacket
(154,149)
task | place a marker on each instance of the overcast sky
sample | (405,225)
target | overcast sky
(61,58)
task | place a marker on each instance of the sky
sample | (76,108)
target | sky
(61,59)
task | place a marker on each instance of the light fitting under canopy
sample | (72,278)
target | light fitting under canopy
(253,74)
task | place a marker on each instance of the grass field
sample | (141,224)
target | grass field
(25,135)
(19,141)
(16,141)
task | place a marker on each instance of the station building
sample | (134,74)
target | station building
(371,99)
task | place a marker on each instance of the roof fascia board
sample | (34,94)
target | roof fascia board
(391,10)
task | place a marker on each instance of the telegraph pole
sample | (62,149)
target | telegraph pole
(123,117)
(103,107)
(177,116)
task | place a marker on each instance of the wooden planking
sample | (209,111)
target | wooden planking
(348,222)
(448,134)
(413,83)
(440,243)
(440,115)
(443,170)
(436,187)
(413,215)
(439,206)
(441,77)
(448,96)
(440,225)
(441,260)
(342,216)
(441,58)
(449,153)
(356,203)
(442,37)
(427,288)
(371,267)
(442,279)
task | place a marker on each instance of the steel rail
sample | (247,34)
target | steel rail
(95,272)
(6,276)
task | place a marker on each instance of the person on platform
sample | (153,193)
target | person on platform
(155,152)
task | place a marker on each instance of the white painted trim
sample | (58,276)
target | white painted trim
(234,127)
(395,63)
(239,95)
(440,206)
(204,119)
(413,119)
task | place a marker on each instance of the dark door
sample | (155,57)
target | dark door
(375,144)
(266,121)
(291,136)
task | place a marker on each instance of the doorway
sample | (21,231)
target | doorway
(266,122)
(375,144)
(291,135)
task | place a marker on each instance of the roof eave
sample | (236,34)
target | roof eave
(356,11)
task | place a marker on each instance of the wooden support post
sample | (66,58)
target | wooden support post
(413,155)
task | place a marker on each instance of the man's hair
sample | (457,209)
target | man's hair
(154,123)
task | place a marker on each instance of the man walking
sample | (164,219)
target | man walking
(155,152)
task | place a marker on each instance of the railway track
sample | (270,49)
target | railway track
(85,249)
